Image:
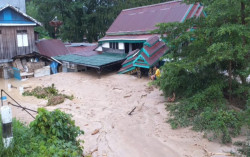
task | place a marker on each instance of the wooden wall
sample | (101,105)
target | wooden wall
(8,42)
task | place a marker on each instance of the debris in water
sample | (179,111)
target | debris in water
(95,132)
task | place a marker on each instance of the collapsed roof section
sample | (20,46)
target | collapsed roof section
(147,57)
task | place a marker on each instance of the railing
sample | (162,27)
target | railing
(17,104)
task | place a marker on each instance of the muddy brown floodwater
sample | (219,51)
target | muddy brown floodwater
(101,108)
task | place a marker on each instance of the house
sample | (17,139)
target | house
(17,35)
(133,26)
(131,33)
(19,4)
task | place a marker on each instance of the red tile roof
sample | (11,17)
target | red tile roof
(51,47)
(144,19)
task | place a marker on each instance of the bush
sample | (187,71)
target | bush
(38,142)
(50,93)
(206,111)
(55,124)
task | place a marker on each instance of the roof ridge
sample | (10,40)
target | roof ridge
(20,12)
(152,5)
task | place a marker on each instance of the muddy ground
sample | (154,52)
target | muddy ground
(101,107)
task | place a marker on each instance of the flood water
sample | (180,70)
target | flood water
(14,88)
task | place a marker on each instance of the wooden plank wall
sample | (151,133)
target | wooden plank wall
(8,42)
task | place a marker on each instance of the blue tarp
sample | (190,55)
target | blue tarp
(53,67)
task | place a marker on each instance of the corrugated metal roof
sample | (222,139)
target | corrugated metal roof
(144,19)
(129,60)
(154,48)
(123,69)
(132,52)
(51,47)
(152,40)
(92,61)
(83,50)
(151,60)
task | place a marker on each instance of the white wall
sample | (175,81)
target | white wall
(105,45)
(121,46)
(99,49)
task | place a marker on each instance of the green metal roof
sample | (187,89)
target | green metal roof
(92,61)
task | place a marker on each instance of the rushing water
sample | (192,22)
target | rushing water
(15,88)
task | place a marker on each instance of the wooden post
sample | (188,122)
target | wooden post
(6,116)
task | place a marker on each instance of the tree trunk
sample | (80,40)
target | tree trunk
(230,81)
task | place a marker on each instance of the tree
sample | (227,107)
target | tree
(208,67)
(81,18)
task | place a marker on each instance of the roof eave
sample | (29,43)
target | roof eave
(24,14)
(129,33)
(12,24)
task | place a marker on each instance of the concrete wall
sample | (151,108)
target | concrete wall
(20,4)
(121,46)
(105,45)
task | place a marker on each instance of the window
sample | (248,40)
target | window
(113,45)
(22,38)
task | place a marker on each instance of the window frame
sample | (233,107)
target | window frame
(22,38)
(114,45)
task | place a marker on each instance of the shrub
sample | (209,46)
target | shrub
(206,111)
(55,124)
(50,93)
(32,142)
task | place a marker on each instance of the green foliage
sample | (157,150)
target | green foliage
(207,68)
(50,93)
(55,124)
(244,147)
(32,10)
(33,142)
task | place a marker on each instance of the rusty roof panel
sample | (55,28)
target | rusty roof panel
(83,50)
(52,47)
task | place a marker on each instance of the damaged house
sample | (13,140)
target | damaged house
(17,38)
